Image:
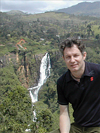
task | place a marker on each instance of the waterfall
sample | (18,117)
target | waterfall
(44,74)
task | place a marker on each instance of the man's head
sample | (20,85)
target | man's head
(74,55)
(68,43)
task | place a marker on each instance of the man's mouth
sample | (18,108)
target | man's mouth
(75,65)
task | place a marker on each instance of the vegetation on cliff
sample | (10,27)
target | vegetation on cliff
(15,103)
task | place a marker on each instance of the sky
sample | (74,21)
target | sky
(38,6)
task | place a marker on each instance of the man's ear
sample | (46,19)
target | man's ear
(84,55)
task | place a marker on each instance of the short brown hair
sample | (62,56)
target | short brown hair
(70,42)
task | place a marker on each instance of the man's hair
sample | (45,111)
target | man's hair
(68,43)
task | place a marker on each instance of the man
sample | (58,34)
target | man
(80,86)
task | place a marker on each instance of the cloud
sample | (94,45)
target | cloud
(37,6)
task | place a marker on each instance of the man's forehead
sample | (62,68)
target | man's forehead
(72,50)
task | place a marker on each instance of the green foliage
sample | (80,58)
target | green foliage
(3,50)
(48,94)
(41,130)
(43,123)
(40,105)
(16,110)
(93,55)
(15,103)
(45,119)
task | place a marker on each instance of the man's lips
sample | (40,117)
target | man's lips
(75,65)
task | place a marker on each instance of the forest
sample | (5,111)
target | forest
(24,39)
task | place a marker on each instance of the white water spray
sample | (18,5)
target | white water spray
(44,74)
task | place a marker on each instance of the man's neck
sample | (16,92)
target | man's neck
(75,78)
(77,75)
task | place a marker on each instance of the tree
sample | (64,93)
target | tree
(41,130)
(51,33)
(89,29)
(43,123)
(97,36)
(50,93)
(15,103)
(45,119)
(16,110)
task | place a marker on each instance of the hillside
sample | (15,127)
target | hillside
(24,40)
(15,12)
(84,8)
(42,33)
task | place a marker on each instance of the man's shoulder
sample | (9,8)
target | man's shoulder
(92,68)
(63,78)
(93,65)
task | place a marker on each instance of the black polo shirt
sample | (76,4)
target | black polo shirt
(84,96)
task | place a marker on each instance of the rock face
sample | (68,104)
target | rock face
(27,71)
(26,67)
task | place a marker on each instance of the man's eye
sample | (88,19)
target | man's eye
(76,55)
(67,57)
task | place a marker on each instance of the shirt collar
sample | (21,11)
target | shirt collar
(87,72)
(68,76)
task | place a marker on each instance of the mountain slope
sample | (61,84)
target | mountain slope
(15,12)
(84,8)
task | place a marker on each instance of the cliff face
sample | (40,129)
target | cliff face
(26,67)
(27,70)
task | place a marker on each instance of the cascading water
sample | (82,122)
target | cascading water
(44,74)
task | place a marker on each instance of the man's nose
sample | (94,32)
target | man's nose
(72,59)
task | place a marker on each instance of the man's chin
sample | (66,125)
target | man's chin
(74,70)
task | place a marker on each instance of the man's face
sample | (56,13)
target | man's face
(74,59)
